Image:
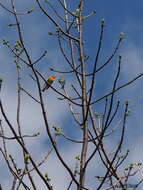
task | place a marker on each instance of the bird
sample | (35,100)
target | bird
(48,83)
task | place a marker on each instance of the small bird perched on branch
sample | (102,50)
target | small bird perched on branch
(49,82)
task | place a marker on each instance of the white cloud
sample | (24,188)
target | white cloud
(132,60)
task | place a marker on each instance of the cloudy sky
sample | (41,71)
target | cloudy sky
(120,16)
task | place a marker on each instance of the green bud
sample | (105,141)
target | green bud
(5,42)
(99,178)
(77,157)
(18,67)
(128,112)
(30,11)
(120,57)
(26,158)
(118,102)
(74,13)
(58,130)
(19,170)
(9,24)
(121,36)
(131,166)
(102,22)
(50,33)
(139,163)
(47,176)
(51,69)
(18,44)
(97,115)
(61,81)
(36,134)
(78,10)
(45,52)
(126,102)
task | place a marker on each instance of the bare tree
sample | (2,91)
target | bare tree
(96,128)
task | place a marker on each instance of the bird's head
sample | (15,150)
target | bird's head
(52,77)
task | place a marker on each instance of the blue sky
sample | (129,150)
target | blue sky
(120,16)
